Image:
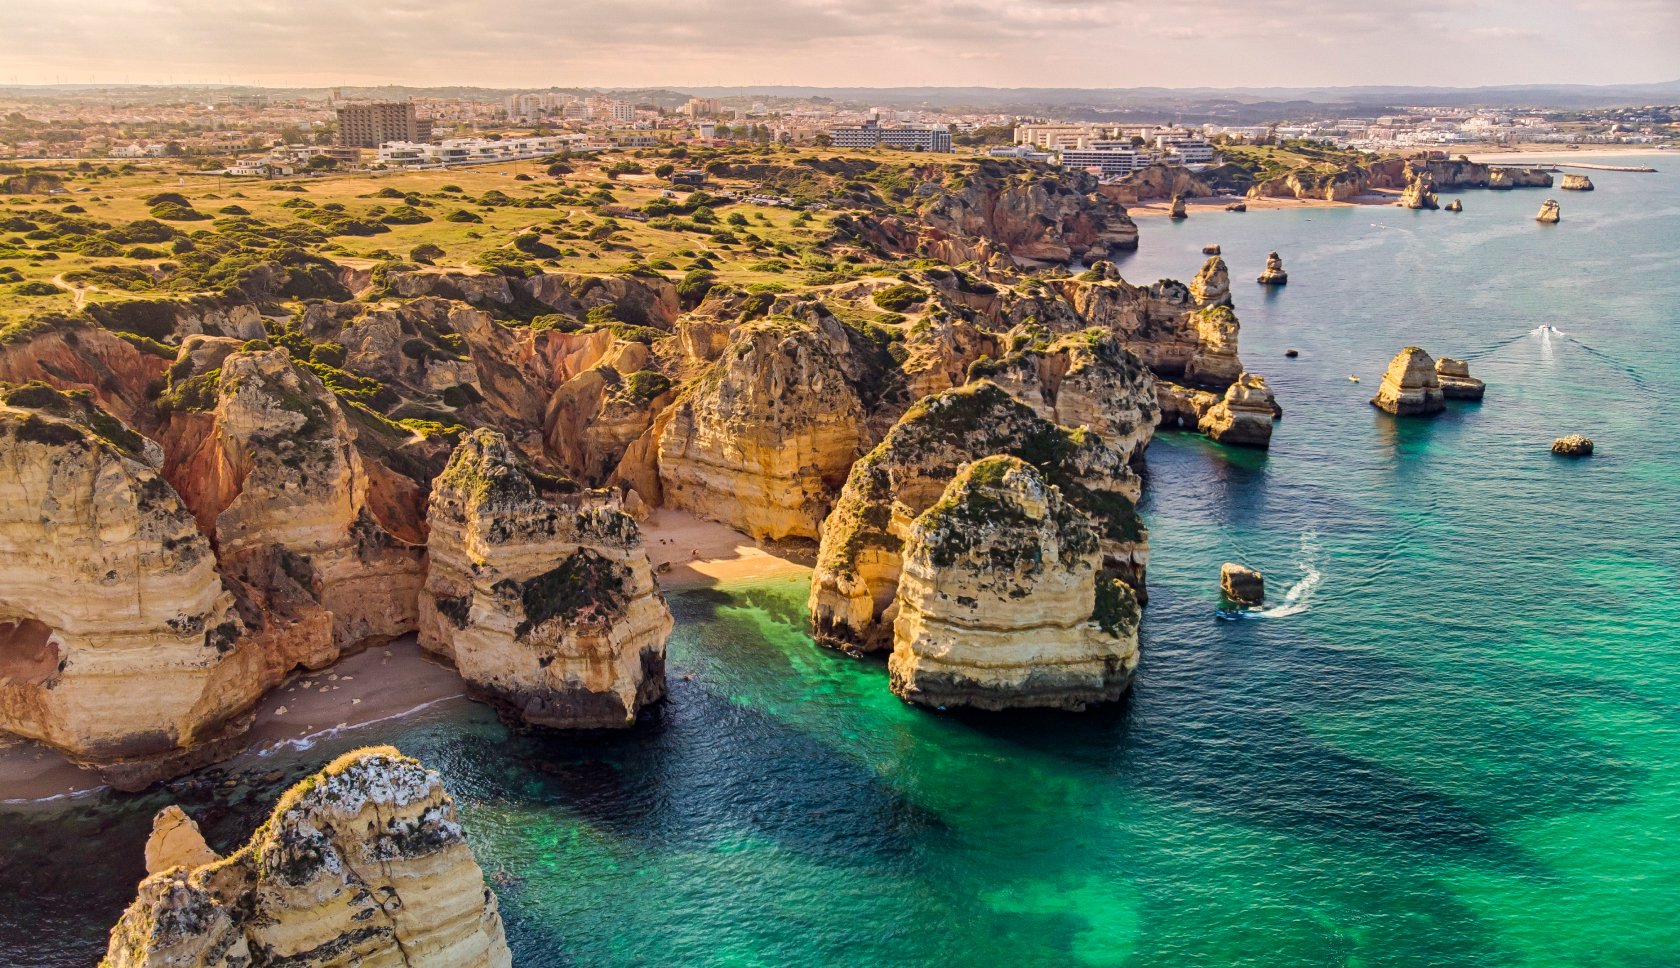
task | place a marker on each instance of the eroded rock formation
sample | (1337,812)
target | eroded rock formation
(1049,219)
(549,610)
(1576,183)
(361,864)
(1419,193)
(1243,418)
(859,561)
(1574,445)
(1410,387)
(1274,274)
(1002,601)
(1550,213)
(1456,381)
(109,594)
(1241,584)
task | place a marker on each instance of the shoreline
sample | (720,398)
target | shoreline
(381,683)
(1162,207)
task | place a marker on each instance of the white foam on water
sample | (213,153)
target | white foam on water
(1299,596)
(1546,333)
(308,742)
(74,795)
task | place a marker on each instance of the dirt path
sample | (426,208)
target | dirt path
(79,293)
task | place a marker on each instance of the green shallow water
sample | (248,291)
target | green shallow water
(1458,744)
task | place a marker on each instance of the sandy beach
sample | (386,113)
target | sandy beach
(1601,155)
(398,679)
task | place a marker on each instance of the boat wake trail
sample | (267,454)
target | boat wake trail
(1546,333)
(1300,594)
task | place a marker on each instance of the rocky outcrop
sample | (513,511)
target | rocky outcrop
(859,561)
(363,863)
(1212,285)
(1573,445)
(548,610)
(1576,183)
(273,476)
(1419,193)
(1176,210)
(1410,387)
(1244,417)
(1002,602)
(1241,584)
(1182,407)
(1550,214)
(1236,207)
(1456,381)
(176,842)
(1088,380)
(115,631)
(1453,206)
(1049,219)
(1274,274)
(69,353)
(1336,185)
(764,440)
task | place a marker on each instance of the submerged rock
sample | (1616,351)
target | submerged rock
(1003,602)
(1410,388)
(1274,274)
(1456,381)
(549,610)
(363,864)
(1549,212)
(1242,584)
(1573,445)
(1576,183)
(1244,417)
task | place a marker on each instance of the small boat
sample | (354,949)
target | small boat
(1353,379)
(1227,614)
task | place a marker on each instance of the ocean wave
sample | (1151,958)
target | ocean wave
(74,795)
(308,742)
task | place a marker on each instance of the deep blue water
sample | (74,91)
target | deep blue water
(1458,744)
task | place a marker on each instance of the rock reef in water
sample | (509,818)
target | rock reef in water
(1274,274)
(1243,418)
(1456,381)
(1453,206)
(860,560)
(361,864)
(1410,387)
(1002,602)
(548,610)
(1576,183)
(1241,584)
(1549,212)
(1573,445)
(108,592)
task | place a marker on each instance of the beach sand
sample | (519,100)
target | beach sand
(397,679)
(1600,155)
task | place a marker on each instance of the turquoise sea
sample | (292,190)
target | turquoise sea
(1454,740)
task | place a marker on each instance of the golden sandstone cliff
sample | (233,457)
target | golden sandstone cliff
(363,863)
(547,608)
(1002,601)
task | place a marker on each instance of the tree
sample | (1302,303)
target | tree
(173,149)
(291,134)
(664,170)
(322,163)
(823,140)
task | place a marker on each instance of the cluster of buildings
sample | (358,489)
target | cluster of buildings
(478,151)
(1106,149)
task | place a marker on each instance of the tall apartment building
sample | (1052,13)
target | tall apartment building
(1108,157)
(698,106)
(371,125)
(915,137)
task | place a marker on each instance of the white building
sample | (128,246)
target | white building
(1185,147)
(1108,157)
(477,151)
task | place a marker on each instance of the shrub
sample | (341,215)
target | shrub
(328,354)
(899,298)
(451,188)
(39,289)
(648,384)
(405,215)
(462,215)
(172,212)
(232,210)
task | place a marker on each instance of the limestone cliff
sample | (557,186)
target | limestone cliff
(764,440)
(361,864)
(1244,417)
(1173,331)
(1047,219)
(114,626)
(1088,380)
(1410,386)
(1002,602)
(262,453)
(549,610)
(1419,193)
(859,561)
(70,353)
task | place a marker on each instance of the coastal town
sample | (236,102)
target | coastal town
(253,133)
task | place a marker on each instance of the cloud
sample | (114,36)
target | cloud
(1003,43)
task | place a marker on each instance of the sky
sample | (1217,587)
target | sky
(861,43)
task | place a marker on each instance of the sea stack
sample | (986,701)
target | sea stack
(1003,602)
(1244,417)
(1212,285)
(1549,212)
(363,863)
(1456,381)
(1210,250)
(547,609)
(1576,183)
(1410,388)
(1274,274)
(1573,445)
(1419,192)
(1178,208)
(1242,585)
(1237,207)
(1453,206)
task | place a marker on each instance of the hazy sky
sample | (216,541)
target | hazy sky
(867,43)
